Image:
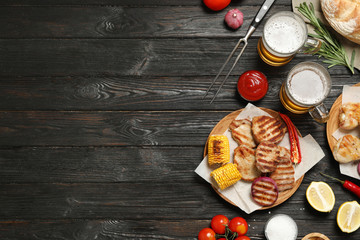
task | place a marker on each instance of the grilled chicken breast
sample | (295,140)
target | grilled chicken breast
(244,158)
(284,174)
(347,149)
(267,156)
(241,132)
(349,117)
(266,128)
(284,152)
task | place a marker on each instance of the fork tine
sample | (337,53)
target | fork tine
(232,67)
(223,66)
(256,21)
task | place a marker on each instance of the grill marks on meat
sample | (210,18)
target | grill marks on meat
(347,149)
(266,128)
(267,156)
(349,117)
(244,158)
(264,193)
(241,132)
(284,153)
(284,175)
(259,155)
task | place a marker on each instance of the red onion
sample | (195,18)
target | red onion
(264,191)
(234,18)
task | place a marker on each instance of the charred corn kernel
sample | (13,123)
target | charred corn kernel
(226,175)
(218,150)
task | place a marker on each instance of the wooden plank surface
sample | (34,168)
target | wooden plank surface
(112,164)
(116,22)
(129,93)
(132,57)
(102,121)
(154,3)
(113,128)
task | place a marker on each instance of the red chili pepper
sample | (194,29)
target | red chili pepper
(294,139)
(347,184)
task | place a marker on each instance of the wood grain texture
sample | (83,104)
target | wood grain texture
(102,121)
(127,229)
(112,164)
(130,93)
(131,57)
(98,164)
(141,200)
(120,128)
(120,22)
(154,3)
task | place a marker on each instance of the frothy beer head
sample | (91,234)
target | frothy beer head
(284,34)
(308,85)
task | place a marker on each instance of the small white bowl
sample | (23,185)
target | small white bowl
(275,228)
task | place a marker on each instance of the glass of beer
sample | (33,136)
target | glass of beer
(304,90)
(285,34)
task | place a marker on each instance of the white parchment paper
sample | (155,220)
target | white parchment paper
(239,193)
(349,94)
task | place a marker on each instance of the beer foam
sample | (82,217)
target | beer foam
(284,34)
(308,85)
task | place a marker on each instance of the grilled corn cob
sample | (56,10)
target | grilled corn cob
(226,175)
(218,150)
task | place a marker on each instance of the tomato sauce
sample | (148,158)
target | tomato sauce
(252,85)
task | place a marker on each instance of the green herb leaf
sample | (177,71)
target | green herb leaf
(352,58)
(331,48)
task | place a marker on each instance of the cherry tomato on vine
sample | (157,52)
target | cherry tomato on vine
(221,238)
(218,223)
(206,234)
(217,5)
(239,225)
(242,238)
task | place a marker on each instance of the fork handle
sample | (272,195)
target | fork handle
(261,13)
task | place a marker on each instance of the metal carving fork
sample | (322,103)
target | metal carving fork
(254,24)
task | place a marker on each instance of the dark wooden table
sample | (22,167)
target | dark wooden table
(102,121)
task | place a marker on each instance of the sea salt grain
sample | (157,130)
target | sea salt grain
(281,227)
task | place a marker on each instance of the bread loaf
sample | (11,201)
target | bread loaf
(344,17)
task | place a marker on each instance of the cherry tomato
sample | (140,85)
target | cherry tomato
(242,238)
(217,5)
(252,85)
(239,225)
(221,238)
(218,223)
(206,234)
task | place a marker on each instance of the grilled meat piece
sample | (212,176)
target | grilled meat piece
(347,149)
(349,117)
(244,158)
(241,132)
(267,156)
(284,174)
(266,128)
(284,153)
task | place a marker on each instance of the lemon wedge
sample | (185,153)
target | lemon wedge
(320,196)
(348,216)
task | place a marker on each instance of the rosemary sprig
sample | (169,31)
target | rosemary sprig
(331,48)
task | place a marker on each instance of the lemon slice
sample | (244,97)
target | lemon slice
(320,196)
(348,216)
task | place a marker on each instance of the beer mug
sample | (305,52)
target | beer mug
(285,34)
(306,87)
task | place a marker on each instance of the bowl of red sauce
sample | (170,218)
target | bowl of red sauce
(252,85)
